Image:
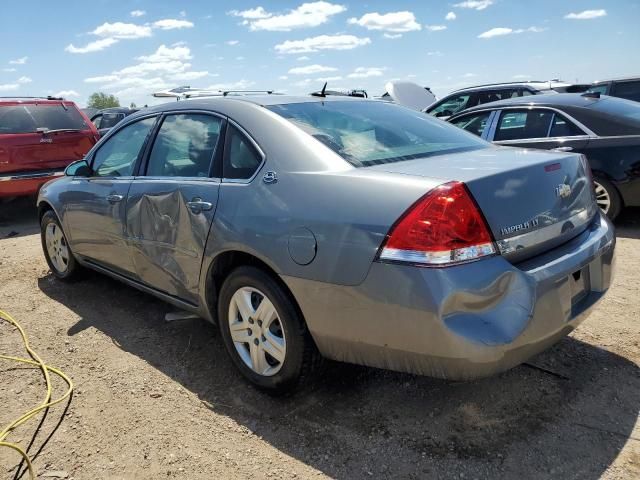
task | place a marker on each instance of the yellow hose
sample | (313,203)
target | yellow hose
(46,402)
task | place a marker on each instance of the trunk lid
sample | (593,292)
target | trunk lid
(532,200)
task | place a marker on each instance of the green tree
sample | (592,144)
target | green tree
(102,100)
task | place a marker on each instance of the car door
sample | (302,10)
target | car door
(172,202)
(96,205)
(542,128)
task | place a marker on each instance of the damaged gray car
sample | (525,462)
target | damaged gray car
(350,229)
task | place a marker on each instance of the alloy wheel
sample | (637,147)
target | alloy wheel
(256,331)
(57,247)
(603,199)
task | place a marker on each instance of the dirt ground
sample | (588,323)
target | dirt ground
(161,400)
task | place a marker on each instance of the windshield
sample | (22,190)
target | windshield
(28,118)
(373,132)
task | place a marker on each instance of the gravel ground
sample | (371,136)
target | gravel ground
(161,400)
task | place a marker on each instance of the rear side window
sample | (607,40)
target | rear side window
(184,146)
(241,159)
(562,127)
(475,124)
(30,118)
(628,90)
(118,155)
(522,124)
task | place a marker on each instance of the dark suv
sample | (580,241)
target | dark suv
(628,88)
(39,137)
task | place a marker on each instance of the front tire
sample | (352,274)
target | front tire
(56,248)
(263,331)
(607,197)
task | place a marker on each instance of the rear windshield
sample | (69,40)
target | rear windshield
(29,118)
(619,107)
(372,132)
(110,120)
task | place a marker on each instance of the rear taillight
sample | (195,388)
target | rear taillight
(442,228)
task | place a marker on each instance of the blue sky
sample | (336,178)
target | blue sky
(133,47)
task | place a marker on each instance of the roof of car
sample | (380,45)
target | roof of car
(539,84)
(617,79)
(117,110)
(34,100)
(556,99)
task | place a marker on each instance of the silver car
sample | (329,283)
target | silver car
(348,229)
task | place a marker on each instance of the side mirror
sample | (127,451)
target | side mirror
(79,168)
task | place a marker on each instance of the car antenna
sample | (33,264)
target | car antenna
(321,93)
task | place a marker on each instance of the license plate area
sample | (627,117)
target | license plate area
(580,285)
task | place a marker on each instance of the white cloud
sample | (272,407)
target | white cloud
(306,15)
(302,58)
(183,13)
(94,46)
(9,69)
(172,24)
(283,77)
(450,16)
(24,80)
(101,79)
(66,94)
(435,28)
(474,4)
(501,31)
(187,76)
(164,53)
(586,15)
(8,87)
(311,69)
(144,68)
(392,36)
(398,22)
(137,13)
(232,42)
(436,53)
(239,85)
(19,61)
(366,72)
(322,42)
(251,14)
(122,30)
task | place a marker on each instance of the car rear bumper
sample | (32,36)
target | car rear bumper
(27,183)
(460,322)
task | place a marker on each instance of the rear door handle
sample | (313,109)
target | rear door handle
(114,198)
(197,205)
(563,149)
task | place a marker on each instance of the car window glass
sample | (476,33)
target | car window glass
(496,95)
(525,93)
(51,116)
(628,90)
(601,89)
(521,124)
(451,105)
(110,120)
(118,155)
(240,156)
(562,127)
(184,146)
(96,120)
(473,123)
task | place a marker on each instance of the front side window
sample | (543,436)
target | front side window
(368,133)
(241,159)
(118,155)
(475,124)
(184,146)
(451,105)
(523,124)
(48,116)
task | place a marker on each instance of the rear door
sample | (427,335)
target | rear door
(95,206)
(541,128)
(42,137)
(171,205)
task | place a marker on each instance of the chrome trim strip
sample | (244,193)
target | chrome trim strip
(536,237)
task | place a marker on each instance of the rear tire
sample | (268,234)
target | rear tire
(607,197)
(264,332)
(56,249)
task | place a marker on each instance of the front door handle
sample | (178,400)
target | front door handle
(197,205)
(563,149)
(114,198)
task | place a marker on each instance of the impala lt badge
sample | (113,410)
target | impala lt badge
(563,190)
(534,222)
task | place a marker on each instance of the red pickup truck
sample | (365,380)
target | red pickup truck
(39,137)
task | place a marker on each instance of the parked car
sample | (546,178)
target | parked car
(39,137)
(628,88)
(605,129)
(353,229)
(107,118)
(472,96)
